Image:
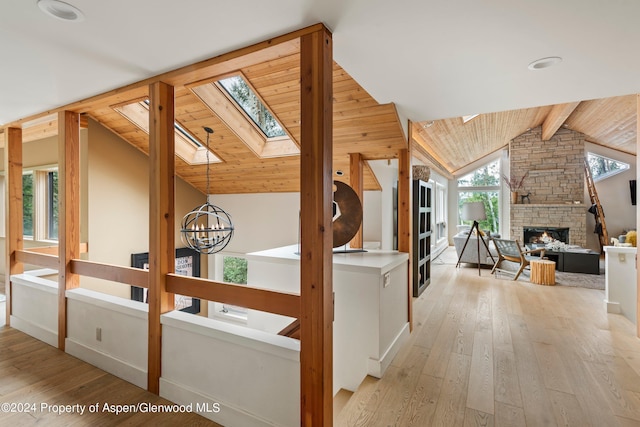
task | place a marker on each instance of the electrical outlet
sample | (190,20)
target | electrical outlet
(99,334)
(387,279)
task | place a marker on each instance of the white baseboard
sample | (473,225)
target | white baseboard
(36,331)
(227,415)
(117,367)
(377,367)
(613,307)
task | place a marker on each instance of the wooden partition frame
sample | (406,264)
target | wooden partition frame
(13,209)
(69,212)
(404,218)
(161,219)
(316,254)
(356,179)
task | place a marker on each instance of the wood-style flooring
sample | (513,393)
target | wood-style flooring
(34,373)
(493,352)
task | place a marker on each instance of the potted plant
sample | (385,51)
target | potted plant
(514,184)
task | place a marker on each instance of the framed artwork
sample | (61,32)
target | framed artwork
(187,264)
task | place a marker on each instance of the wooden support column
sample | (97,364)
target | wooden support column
(316,255)
(161,219)
(68,212)
(404,218)
(356,179)
(13,209)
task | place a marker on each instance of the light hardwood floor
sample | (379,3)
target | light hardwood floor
(493,352)
(32,372)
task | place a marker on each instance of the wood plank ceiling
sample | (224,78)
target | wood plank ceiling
(450,145)
(361,125)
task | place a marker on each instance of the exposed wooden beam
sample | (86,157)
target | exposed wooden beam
(285,304)
(404,218)
(41,260)
(161,219)
(316,255)
(69,212)
(556,117)
(356,173)
(13,210)
(114,273)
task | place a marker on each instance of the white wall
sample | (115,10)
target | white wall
(387,174)
(118,205)
(614,196)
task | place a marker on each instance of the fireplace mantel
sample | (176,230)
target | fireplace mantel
(549,205)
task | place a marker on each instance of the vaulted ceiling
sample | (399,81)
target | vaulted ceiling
(430,62)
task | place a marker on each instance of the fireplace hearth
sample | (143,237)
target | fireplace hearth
(533,235)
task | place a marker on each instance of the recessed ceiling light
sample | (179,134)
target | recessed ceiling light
(541,63)
(339,172)
(428,124)
(61,10)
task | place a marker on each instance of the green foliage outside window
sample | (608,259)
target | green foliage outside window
(234,270)
(27,204)
(251,104)
(477,186)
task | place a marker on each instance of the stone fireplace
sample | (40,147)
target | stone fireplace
(555,180)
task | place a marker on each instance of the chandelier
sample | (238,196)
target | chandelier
(207,229)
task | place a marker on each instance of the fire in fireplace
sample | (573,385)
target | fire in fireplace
(536,234)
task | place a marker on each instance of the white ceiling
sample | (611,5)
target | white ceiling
(434,59)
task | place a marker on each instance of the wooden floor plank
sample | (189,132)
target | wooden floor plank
(475,418)
(567,410)
(481,379)
(450,410)
(422,405)
(36,373)
(509,416)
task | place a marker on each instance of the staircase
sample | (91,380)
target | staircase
(601,226)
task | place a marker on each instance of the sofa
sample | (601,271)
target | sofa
(471,252)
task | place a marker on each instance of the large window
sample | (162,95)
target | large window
(441,212)
(483,184)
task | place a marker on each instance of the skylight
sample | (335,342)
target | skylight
(604,167)
(247,99)
(187,146)
(465,119)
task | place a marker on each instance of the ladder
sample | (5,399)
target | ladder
(599,214)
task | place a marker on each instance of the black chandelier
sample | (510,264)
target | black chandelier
(207,229)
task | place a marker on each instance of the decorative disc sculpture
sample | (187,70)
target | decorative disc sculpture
(347,214)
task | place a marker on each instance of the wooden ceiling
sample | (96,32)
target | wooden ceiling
(449,145)
(361,124)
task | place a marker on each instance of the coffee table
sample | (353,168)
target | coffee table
(575,261)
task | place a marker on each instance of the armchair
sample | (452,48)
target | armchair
(510,250)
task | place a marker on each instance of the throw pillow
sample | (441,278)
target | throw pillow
(631,237)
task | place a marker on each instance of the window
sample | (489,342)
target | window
(483,184)
(247,99)
(441,212)
(40,204)
(187,146)
(603,167)
(230,269)
(27,204)
(52,205)
(237,103)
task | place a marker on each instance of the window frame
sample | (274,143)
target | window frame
(609,174)
(482,189)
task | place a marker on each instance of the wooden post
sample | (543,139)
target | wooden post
(356,180)
(316,255)
(161,219)
(68,212)
(404,218)
(13,209)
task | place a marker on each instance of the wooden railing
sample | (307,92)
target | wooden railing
(285,304)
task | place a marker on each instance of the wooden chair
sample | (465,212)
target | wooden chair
(510,250)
